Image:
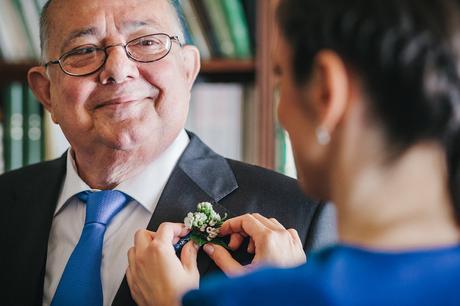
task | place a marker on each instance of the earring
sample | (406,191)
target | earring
(322,136)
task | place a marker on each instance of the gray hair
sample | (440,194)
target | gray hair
(45,23)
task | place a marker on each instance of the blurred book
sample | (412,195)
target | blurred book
(205,22)
(55,141)
(250,11)
(196,31)
(12,97)
(40,3)
(2,161)
(250,125)
(33,142)
(30,14)
(238,27)
(284,158)
(216,14)
(216,117)
(14,38)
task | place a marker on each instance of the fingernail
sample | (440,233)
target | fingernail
(195,245)
(208,248)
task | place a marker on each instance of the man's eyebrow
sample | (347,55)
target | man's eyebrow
(76,34)
(132,25)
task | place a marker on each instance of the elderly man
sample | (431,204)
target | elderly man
(116,77)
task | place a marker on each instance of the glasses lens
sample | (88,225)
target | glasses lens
(84,60)
(149,48)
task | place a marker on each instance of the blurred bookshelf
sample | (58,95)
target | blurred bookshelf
(259,134)
(14,72)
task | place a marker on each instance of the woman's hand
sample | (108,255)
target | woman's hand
(269,240)
(155,274)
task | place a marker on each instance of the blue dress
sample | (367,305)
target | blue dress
(344,275)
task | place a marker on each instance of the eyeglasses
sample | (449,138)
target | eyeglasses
(88,59)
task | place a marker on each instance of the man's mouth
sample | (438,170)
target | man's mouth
(124,96)
(119,101)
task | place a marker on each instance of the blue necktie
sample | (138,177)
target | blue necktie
(80,282)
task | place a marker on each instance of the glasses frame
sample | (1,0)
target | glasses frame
(173,38)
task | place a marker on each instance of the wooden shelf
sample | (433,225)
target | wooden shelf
(12,72)
(228,66)
(224,70)
(227,70)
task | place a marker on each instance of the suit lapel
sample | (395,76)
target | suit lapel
(200,175)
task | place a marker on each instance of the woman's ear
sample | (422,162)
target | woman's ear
(332,89)
(40,85)
(191,62)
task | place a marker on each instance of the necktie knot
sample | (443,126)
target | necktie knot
(102,206)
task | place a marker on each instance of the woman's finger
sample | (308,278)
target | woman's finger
(245,224)
(223,259)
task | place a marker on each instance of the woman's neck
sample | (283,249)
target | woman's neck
(398,204)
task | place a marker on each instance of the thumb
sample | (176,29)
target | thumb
(188,256)
(223,259)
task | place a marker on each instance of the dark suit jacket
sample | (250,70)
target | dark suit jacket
(29,196)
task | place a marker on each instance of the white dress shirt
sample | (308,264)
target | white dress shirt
(69,218)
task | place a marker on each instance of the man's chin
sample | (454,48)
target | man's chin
(121,141)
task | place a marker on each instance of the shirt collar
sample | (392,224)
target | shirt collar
(145,187)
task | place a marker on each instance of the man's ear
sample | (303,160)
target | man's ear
(333,88)
(40,85)
(191,58)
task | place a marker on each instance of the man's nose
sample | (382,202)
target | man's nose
(118,66)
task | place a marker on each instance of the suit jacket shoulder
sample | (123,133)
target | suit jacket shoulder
(273,195)
(29,197)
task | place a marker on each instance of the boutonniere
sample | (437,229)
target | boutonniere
(205,224)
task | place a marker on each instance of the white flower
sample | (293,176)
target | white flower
(215,216)
(205,207)
(200,219)
(204,222)
(188,221)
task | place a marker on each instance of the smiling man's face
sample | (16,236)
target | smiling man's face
(126,105)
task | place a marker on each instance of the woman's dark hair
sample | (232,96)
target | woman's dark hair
(404,52)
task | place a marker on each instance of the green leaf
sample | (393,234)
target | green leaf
(200,239)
